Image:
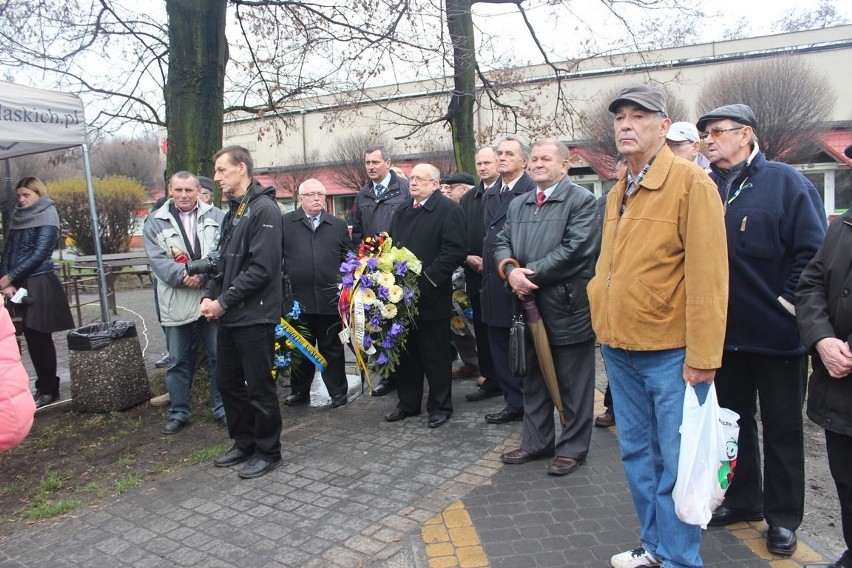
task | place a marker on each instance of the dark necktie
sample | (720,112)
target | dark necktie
(379,189)
(504,189)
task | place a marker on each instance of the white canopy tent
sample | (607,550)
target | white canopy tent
(35,120)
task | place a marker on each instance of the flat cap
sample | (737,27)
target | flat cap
(645,96)
(848,151)
(462,177)
(205,183)
(737,112)
(682,132)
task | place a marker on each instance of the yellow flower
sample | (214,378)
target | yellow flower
(388,311)
(457,322)
(368,295)
(460,297)
(385,279)
(395,293)
(289,344)
(277,346)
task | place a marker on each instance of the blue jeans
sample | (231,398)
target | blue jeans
(647,392)
(180,373)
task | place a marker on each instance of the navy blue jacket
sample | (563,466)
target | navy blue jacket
(373,214)
(775,224)
(28,252)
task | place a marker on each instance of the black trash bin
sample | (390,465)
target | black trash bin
(107,369)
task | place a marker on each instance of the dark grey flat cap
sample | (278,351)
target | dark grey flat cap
(848,151)
(645,96)
(737,112)
(205,183)
(462,177)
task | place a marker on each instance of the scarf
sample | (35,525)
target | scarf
(42,212)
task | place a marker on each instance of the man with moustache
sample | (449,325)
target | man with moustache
(373,210)
(433,228)
(513,151)
(658,302)
(315,243)
(553,234)
(245,298)
(184,228)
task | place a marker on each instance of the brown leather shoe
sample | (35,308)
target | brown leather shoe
(563,466)
(466,371)
(605,420)
(522,456)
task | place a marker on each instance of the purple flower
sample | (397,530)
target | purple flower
(400,269)
(372,263)
(376,321)
(383,293)
(395,329)
(408,293)
(382,359)
(347,280)
(368,341)
(366,281)
(389,342)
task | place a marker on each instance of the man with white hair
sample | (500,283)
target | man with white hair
(682,139)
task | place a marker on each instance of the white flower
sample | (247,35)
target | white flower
(395,293)
(388,311)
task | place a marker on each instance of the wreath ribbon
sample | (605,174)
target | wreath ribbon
(302,345)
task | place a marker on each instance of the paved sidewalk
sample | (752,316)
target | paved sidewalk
(357,491)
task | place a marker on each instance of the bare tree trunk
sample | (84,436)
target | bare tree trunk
(194,93)
(460,112)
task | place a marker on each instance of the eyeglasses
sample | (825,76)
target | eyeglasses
(717,132)
(677,144)
(312,195)
(419,179)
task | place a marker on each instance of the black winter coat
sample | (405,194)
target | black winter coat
(496,301)
(471,204)
(312,259)
(824,309)
(250,290)
(435,233)
(373,214)
(559,242)
(28,252)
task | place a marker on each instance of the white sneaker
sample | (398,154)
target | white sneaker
(634,559)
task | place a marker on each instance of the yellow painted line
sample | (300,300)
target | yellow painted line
(753,535)
(452,541)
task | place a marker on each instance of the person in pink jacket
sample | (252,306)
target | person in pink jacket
(17,406)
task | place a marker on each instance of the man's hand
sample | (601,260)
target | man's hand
(474,262)
(836,356)
(694,376)
(192,281)
(211,309)
(521,285)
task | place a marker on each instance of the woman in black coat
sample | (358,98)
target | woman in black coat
(824,314)
(27,263)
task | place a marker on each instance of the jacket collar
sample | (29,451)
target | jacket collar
(659,171)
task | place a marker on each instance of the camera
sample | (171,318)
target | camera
(211,265)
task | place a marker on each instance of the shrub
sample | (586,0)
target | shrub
(117,198)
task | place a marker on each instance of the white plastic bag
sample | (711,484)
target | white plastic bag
(708,455)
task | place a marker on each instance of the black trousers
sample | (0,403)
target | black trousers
(498,338)
(839,450)
(43,355)
(483,349)
(426,354)
(779,383)
(323,330)
(243,372)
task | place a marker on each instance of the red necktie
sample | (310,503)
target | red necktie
(539,199)
(417,205)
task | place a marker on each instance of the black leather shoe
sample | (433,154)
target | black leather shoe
(397,414)
(605,419)
(781,541)
(297,398)
(436,420)
(44,399)
(257,467)
(173,426)
(505,415)
(383,388)
(481,394)
(723,516)
(339,400)
(522,456)
(232,457)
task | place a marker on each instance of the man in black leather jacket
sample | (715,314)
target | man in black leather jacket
(553,233)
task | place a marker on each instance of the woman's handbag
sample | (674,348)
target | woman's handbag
(518,346)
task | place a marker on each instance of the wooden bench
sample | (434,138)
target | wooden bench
(115,264)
